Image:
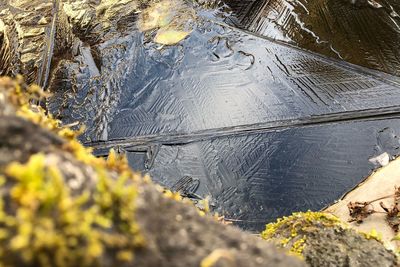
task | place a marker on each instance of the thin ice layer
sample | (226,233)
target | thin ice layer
(217,78)
(255,178)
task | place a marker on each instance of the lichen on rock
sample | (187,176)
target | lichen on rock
(321,239)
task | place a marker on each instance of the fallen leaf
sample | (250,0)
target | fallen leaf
(170,36)
(359,211)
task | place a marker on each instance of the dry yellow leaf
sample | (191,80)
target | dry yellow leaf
(170,36)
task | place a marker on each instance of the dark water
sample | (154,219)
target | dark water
(363,32)
(262,127)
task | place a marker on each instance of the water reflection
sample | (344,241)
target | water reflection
(365,33)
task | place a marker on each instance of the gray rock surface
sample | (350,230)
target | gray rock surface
(175,234)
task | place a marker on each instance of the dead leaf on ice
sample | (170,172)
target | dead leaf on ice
(170,37)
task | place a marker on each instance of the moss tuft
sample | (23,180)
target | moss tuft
(373,234)
(43,224)
(42,221)
(290,232)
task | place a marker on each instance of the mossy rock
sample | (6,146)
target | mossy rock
(61,206)
(322,239)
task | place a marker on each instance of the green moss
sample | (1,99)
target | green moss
(290,232)
(297,221)
(298,246)
(373,234)
(44,224)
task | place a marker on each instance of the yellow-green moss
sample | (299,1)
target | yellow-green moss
(287,232)
(43,223)
(298,220)
(22,97)
(373,234)
(298,246)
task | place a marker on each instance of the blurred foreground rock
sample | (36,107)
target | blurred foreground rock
(60,206)
(323,240)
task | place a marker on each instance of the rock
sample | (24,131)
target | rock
(323,240)
(60,206)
